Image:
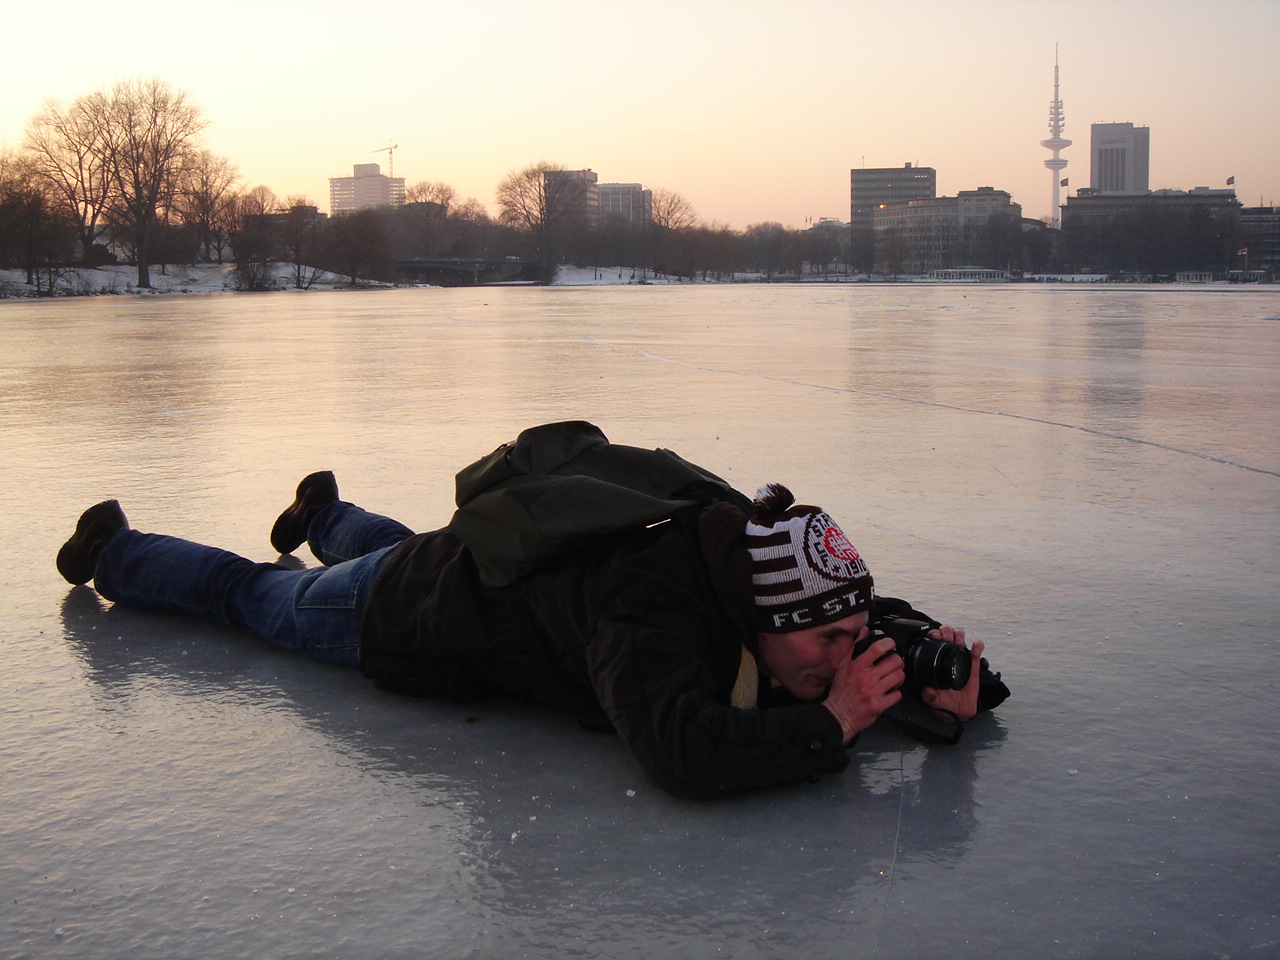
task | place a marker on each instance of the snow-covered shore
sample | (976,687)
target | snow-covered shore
(207,278)
(180,278)
(121,280)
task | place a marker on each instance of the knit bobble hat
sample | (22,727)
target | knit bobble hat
(804,571)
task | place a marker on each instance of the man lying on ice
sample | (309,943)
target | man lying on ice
(732,644)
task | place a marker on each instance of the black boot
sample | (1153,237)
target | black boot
(316,491)
(96,526)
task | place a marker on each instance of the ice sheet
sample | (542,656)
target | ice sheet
(1087,479)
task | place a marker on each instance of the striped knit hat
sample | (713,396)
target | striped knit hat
(804,571)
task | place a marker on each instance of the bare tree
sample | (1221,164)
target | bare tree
(422,218)
(772,248)
(893,250)
(545,205)
(823,246)
(225,223)
(672,211)
(301,238)
(150,132)
(714,251)
(469,229)
(431,191)
(667,242)
(205,196)
(470,209)
(261,201)
(358,244)
(36,232)
(255,237)
(68,149)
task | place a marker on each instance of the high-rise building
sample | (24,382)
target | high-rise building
(1120,156)
(869,187)
(366,187)
(577,190)
(872,187)
(626,203)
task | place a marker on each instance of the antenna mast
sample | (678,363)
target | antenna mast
(1056,143)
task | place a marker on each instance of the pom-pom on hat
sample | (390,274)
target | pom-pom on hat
(804,571)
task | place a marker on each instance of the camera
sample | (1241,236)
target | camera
(928,662)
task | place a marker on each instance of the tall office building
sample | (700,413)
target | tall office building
(869,189)
(625,202)
(367,187)
(871,186)
(577,190)
(1120,156)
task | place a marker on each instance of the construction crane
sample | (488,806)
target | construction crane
(390,151)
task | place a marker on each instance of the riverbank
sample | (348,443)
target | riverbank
(208,278)
(121,280)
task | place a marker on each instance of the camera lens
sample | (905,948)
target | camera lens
(938,664)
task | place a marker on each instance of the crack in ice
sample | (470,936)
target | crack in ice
(952,406)
(891,873)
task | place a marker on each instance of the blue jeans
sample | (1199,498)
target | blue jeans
(315,612)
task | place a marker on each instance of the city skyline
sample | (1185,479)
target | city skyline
(753,111)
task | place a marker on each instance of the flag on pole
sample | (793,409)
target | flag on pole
(1231,181)
(1064,182)
(1242,252)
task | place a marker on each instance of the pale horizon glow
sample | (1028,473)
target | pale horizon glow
(753,111)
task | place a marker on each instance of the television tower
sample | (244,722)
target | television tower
(1056,143)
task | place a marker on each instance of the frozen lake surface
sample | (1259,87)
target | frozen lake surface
(1087,479)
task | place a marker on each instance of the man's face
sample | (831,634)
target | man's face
(805,661)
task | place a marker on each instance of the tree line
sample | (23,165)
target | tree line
(123,173)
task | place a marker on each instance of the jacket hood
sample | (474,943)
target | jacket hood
(722,542)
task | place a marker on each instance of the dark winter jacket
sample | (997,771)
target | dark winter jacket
(639,627)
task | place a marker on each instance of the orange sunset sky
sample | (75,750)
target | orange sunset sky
(753,110)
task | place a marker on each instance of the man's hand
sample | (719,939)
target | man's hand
(963,703)
(862,689)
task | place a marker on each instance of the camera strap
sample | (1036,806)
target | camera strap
(915,719)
